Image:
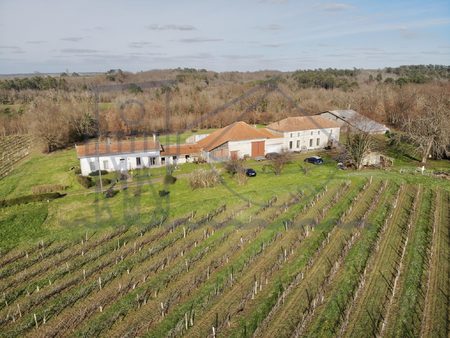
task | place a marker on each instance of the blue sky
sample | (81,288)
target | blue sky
(134,35)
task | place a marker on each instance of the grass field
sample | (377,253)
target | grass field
(319,253)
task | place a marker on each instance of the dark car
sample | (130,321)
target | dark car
(314,160)
(250,172)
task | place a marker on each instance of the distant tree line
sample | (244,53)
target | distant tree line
(327,78)
(418,74)
(35,83)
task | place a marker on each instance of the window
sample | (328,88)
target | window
(292,135)
(317,141)
(312,132)
(290,144)
(163,160)
(298,143)
(298,134)
(174,158)
(138,161)
(187,157)
(92,165)
(105,164)
(310,142)
(152,160)
(318,133)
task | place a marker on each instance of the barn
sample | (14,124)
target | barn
(239,140)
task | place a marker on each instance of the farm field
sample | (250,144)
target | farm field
(316,252)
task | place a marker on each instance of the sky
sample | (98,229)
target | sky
(51,36)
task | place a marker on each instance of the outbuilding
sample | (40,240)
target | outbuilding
(351,119)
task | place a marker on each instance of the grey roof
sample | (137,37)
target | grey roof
(358,120)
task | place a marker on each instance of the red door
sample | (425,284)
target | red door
(234,154)
(258,149)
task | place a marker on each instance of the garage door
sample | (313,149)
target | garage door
(258,149)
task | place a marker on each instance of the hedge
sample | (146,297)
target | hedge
(30,198)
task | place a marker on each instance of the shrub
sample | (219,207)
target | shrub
(169,179)
(47,188)
(30,198)
(241,178)
(85,181)
(202,178)
(97,172)
(234,167)
(110,193)
(163,193)
(105,181)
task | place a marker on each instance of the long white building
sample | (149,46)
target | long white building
(118,155)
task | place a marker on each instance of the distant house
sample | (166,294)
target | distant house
(353,119)
(239,140)
(118,155)
(301,133)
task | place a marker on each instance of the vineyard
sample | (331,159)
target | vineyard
(354,257)
(12,149)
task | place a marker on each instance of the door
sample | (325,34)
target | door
(258,149)
(234,154)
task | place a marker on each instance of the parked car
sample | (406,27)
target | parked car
(250,172)
(314,160)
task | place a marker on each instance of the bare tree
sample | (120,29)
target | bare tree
(358,145)
(429,130)
(278,162)
(48,124)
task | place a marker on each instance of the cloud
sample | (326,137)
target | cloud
(271,27)
(36,42)
(407,33)
(272,45)
(171,27)
(242,57)
(199,40)
(12,49)
(139,44)
(79,51)
(336,7)
(72,38)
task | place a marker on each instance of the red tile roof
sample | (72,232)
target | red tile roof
(302,123)
(237,131)
(180,149)
(116,147)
